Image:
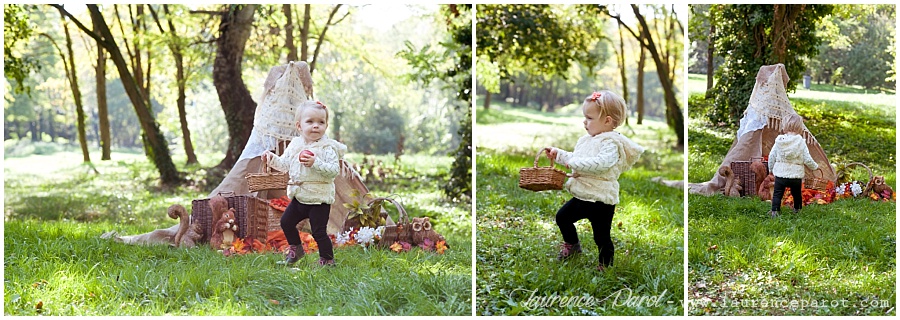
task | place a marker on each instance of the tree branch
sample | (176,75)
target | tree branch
(312,65)
(81,26)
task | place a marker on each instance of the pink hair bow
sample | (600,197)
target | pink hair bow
(595,96)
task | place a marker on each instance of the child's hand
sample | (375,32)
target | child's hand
(307,158)
(551,152)
(266,156)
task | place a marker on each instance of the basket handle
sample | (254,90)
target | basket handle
(538,157)
(404,217)
(871,175)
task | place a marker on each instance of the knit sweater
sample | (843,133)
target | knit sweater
(789,155)
(315,184)
(596,164)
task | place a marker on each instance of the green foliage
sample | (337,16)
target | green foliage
(51,238)
(537,39)
(748,40)
(16,27)
(857,46)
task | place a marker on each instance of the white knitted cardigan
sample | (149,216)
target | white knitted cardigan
(789,155)
(596,164)
(315,184)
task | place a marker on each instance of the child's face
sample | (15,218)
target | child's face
(593,123)
(312,123)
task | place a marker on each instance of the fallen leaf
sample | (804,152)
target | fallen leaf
(273,301)
(396,247)
(713,247)
(39,306)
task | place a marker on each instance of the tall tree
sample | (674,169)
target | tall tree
(752,43)
(102,106)
(237,103)
(176,46)
(660,55)
(642,60)
(76,92)
(157,143)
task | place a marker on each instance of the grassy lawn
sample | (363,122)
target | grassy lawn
(517,237)
(834,259)
(56,264)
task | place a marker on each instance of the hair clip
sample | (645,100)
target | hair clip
(321,104)
(595,96)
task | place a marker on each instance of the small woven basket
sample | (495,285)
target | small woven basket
(868,183)
(402,231)
(270,179)
(541,178)
(742,169)
(251,214)
(816,183)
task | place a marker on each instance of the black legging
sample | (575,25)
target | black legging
(599,214)
(318,222)
(796,192)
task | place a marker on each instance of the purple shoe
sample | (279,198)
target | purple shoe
(568,250)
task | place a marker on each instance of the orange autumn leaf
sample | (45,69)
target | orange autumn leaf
(238,245)
(873,196)
(440,246)
(396,247)
(258,246)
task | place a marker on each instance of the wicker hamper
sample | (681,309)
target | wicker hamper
(251,214)
(742,170)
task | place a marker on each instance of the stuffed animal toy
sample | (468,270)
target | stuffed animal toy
(766,188)
(760,171)
(224,231)
(177,211)
(193,234)
(217,205)
(736,187)
(726,172)
(421,230)
(878,186)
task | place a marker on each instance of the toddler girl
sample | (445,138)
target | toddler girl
(599,158)
(312,162)
(786,161)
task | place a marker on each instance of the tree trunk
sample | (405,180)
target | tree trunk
(160,152)
(487,100)
(35,133)
(621,60)
(76,92)
(289,33)
(236,101)
(102,108)
(181,82)
(315,57)
(640,86)
(304,34)
(673,110)
(710,51)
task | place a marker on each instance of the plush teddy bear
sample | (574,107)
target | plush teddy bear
(224,231)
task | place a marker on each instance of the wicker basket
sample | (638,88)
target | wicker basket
(816,183)
(270,179)
(402,231)
(742,169)
(251,214)
(541,178)
(866,185)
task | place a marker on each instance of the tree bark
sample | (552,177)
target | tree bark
(236,101)
(289,32)
(76,92)
(621,60)
(640,86)
(487,100)
(304,33)
(102,107)
(710,51)
(160,152)
(181,81)
(674,116)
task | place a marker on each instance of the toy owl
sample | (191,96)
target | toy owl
(421,230)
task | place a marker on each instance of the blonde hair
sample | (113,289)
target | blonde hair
(609,104)
(298,113)
(792,123)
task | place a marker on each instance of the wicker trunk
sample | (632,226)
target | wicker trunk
(251,214)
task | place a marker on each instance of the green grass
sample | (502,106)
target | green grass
(841,253)
(517,238)
(56,209)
